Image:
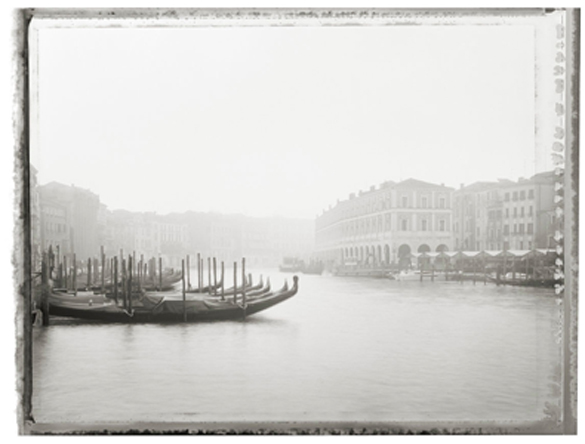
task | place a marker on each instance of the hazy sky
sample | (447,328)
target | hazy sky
(281,121)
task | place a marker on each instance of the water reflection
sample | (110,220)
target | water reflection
(342,349)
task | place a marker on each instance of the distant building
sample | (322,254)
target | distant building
(69,216)
(478,216)
(147,234)
(505,214)
(36,220)
(262,241)
(529,219)
(386,224)
(75,220)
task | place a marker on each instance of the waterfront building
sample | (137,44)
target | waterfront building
(70,211)
(55,226)
(529,219)
(505,214)
(36,220)
(263,241)
(386,224)
(147,234)
(75,220)
(478,216)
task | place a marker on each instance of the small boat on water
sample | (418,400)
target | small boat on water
(158,307)
(313,267)
(291,265)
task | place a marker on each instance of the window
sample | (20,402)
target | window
(424,225)
(442,225)
(506,245)
(506,229)
(522,195)
(404,225)
(530,245)
(515,195)
(424,202)
(404,201)
(521,228)
(530,228)
(522,245)
(521,211)
(507,197)
(478,231)
(530,194)
(515,211)
(507,212)
(441,202)
(530,210)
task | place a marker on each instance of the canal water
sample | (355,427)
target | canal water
(343,349)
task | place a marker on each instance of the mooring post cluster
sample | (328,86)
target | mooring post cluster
(124,278)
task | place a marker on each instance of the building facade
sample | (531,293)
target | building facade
(69,219)
(386,224)
(505,214)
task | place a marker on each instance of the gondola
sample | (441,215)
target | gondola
(152,308)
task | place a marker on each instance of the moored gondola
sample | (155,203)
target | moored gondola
(167,308)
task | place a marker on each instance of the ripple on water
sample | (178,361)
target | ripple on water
(342,349)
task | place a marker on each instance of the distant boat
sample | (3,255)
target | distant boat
(291,265)
(354,270)
(314,267)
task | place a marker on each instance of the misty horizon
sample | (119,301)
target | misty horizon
(333,202)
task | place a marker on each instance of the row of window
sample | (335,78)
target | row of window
(424,225)
(55,227)
(519,195)
(345,210)
(516,213)
(373,225)
(519,229)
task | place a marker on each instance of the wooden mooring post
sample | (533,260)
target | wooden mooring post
(199,272)
(65,283)
(184,295)
(244,286)
(115,279)
(130,269)
(103,269)
(124,286)
(214,276)
(188,273)
(209,275)
(74,274)
(45,288)
(160,273)
(235,282)
(222,283)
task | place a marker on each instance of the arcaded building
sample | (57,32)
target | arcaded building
(386,224)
